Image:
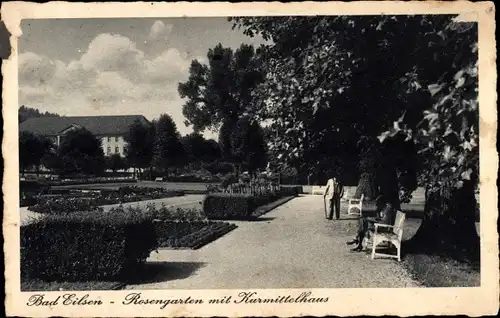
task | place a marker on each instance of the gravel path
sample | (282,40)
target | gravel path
(293,246)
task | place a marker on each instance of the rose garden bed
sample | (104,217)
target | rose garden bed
(190,235)
(84,201)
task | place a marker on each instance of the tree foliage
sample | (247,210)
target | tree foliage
(81,152)
(139,149)
(32,149)
(168,150)
(28,112)
(198,149)
(220,91)
(410,79)
(321,82)
(448,131)
(116,162)
(248,144)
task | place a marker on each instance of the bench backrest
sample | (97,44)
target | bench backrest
(399,222)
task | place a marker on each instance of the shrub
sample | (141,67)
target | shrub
(86,246)
(224,206)
(228,206)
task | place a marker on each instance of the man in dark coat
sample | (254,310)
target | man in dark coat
(366,225)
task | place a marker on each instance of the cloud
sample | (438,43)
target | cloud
(113,53)
(169,65)
(112,76)
(35,69)
(159,28)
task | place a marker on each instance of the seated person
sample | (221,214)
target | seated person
(367,224)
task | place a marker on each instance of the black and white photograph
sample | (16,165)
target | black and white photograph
(253,153)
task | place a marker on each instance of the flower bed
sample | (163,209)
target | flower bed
(182,228)
(63,204)
(190,235)
(91,181)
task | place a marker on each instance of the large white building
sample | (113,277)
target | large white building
(111,130)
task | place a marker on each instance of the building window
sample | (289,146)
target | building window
(109,150)
(116,139)
(109,139)
(117,150)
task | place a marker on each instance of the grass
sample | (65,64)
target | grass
(437,271)
(40,285)
(433,270)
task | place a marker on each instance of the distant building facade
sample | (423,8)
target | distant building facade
(111,130)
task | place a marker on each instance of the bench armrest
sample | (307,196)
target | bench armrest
(383,225)
(377,225)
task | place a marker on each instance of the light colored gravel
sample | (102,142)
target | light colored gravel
(294,246)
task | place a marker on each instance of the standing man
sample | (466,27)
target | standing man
(334,191)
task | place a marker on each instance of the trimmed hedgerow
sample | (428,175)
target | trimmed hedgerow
(86,245)
(226,206)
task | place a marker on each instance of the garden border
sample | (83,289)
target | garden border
(263,209)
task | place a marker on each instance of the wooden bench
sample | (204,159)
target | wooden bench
(394,236)
(355,204)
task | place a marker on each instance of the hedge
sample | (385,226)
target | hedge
(86,246)
(227,206)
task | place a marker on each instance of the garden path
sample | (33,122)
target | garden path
(293,246)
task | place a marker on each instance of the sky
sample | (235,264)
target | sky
(86,67)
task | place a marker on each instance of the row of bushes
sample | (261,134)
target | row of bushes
(86,246)
(64,204)
(91,181)
(94,245)
(224,206)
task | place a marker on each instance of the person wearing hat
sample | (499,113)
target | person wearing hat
(366,224)
(334,191)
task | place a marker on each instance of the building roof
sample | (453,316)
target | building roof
(97,125)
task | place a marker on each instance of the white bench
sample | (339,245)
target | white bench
(345,197)
(355,204)
(394,236)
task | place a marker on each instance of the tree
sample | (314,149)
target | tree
(248,145)
(139,149)
(81,152)
(28,112)
(323,74)
(318,66)
(168,150)
(448,140)
(219,93)
(32,148)
(115,162)
(198,149)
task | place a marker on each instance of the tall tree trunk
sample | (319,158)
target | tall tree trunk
(448,225)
